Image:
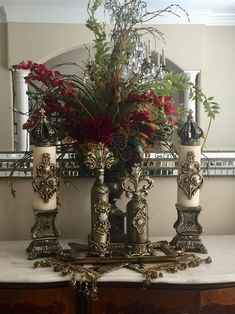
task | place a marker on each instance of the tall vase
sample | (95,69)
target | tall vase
(116,215)
(137,221)
(99,158)
(136,187)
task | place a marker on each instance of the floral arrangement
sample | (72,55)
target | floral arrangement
(117,102)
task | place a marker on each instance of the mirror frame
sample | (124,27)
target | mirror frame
(213,163)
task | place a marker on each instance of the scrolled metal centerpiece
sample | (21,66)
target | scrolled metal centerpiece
(136,187)
(98,158)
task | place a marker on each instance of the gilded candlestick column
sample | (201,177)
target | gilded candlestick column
(45,183)
(189,183)
(98,158)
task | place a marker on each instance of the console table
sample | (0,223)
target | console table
(207,289)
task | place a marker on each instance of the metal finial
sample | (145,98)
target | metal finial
(190,133)
(43,134)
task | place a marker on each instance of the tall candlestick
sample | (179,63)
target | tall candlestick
(45,183)
(163,57)
(149,49)
(158,59)
(189,182)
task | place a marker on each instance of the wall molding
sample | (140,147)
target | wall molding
(78,15)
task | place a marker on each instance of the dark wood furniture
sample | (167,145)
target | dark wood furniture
(207,289)
(118,298)
(165,299)
(37,299)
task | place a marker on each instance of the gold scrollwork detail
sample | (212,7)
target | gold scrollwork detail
(137,184)
(190,180)
(46,183)
(99,157)
(140,220)
(102,224)
(98,248)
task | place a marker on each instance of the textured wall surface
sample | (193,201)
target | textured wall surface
(16,214)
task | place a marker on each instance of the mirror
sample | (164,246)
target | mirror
(207,47)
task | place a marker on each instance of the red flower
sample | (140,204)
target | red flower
(144,115)
(104,129)
(143,98)
(31,122)
(100,129)
(63,91)
(170,111)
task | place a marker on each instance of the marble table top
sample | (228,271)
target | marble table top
(16,268)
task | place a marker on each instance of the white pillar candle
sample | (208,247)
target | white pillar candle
(38,151)
(158,59)
(21,105)
(182,198)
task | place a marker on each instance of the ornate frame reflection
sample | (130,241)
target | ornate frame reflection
(214,163)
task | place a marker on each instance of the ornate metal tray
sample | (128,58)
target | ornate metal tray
(160,252)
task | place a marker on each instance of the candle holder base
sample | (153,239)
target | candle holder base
(141,249)
(188,243)
(188,230)
(43,248)
(99,249)
(45,235)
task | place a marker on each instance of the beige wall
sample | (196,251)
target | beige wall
(41,42)
(16,214)
(218,80)
(185,45)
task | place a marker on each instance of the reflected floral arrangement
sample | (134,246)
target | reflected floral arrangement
(126,97)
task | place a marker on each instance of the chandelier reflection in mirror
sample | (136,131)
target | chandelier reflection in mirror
(143,62)
(148,64)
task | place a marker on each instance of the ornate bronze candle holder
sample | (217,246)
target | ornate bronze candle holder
(189,182)
(45,183)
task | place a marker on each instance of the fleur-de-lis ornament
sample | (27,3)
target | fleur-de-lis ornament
(136,187)
(99,157)
(137,184)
